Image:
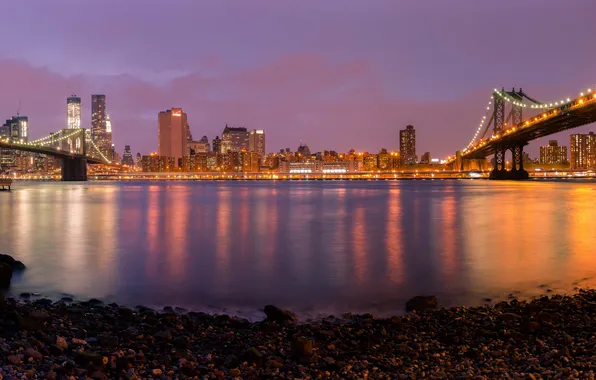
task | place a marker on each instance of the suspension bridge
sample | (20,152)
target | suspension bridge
(72,147)
(511,132)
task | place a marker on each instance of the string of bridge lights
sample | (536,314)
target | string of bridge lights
(515,102)
(482,121)
(99,151)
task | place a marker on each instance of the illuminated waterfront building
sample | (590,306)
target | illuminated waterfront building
(583,151)
(384,161)
(335,167)
(553,153)
(369,162)
(15,129)
(407,145)
(250,161)
(171,134)
(73,112)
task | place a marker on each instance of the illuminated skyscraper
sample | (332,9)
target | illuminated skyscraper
(407,145)
(256,142)
(17,129)
(101,128)
(234,139)
(171,133)
(583,151)
(73,112)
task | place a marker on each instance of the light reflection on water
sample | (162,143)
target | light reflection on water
(311,246)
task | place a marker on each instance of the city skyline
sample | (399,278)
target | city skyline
(325,93)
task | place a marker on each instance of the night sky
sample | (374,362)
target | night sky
(336,74)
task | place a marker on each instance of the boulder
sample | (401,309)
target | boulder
(275,314)
(5,275)
(421,303)
(14,264)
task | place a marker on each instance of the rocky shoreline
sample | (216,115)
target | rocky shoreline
(550,337)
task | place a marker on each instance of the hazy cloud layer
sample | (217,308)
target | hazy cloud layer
(336,74)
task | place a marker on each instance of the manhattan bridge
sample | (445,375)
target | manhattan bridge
(504,127)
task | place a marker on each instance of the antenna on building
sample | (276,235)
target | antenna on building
(19,108)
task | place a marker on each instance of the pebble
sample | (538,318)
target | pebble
(550,337)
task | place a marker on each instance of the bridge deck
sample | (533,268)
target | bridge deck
(548,123)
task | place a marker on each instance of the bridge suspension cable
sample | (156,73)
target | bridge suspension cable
(99,151)
(482,121)
(53,140)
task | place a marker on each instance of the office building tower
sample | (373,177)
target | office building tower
(73,112)
(407,145)
(553,153)
(234,139)
(127,156)
(582,149)
(101,127)
(216,146)
(256,142)
(171,134)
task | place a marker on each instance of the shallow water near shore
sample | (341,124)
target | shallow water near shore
(317,248)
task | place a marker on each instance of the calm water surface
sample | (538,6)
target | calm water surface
(315,247)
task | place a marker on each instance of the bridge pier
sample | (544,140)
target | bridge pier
(74,169)
(517,171)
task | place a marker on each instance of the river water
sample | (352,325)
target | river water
(317,248)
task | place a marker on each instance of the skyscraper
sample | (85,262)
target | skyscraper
(553,153)
(171,133)
(407,145)
(583,151)
(100,124)
(234,139)
(256,142)
(73,112)
(127,156)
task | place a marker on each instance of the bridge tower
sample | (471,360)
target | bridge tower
(517,164)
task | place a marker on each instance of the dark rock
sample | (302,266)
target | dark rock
(84,358)
(253,356)
(11,262)
(5,275)
(32,353)
(109,341)
(164,335)
(232,361)
(25,295)
(275,314)
(421,303)
(302,346)
(95,302)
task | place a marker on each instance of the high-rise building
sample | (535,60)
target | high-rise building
(407,145)
(216,146)
(553,153)
(127,156)
(234,139)
(73,112)
(256,142)
(583,151)
(101,127)
(171,134)
(17,130)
